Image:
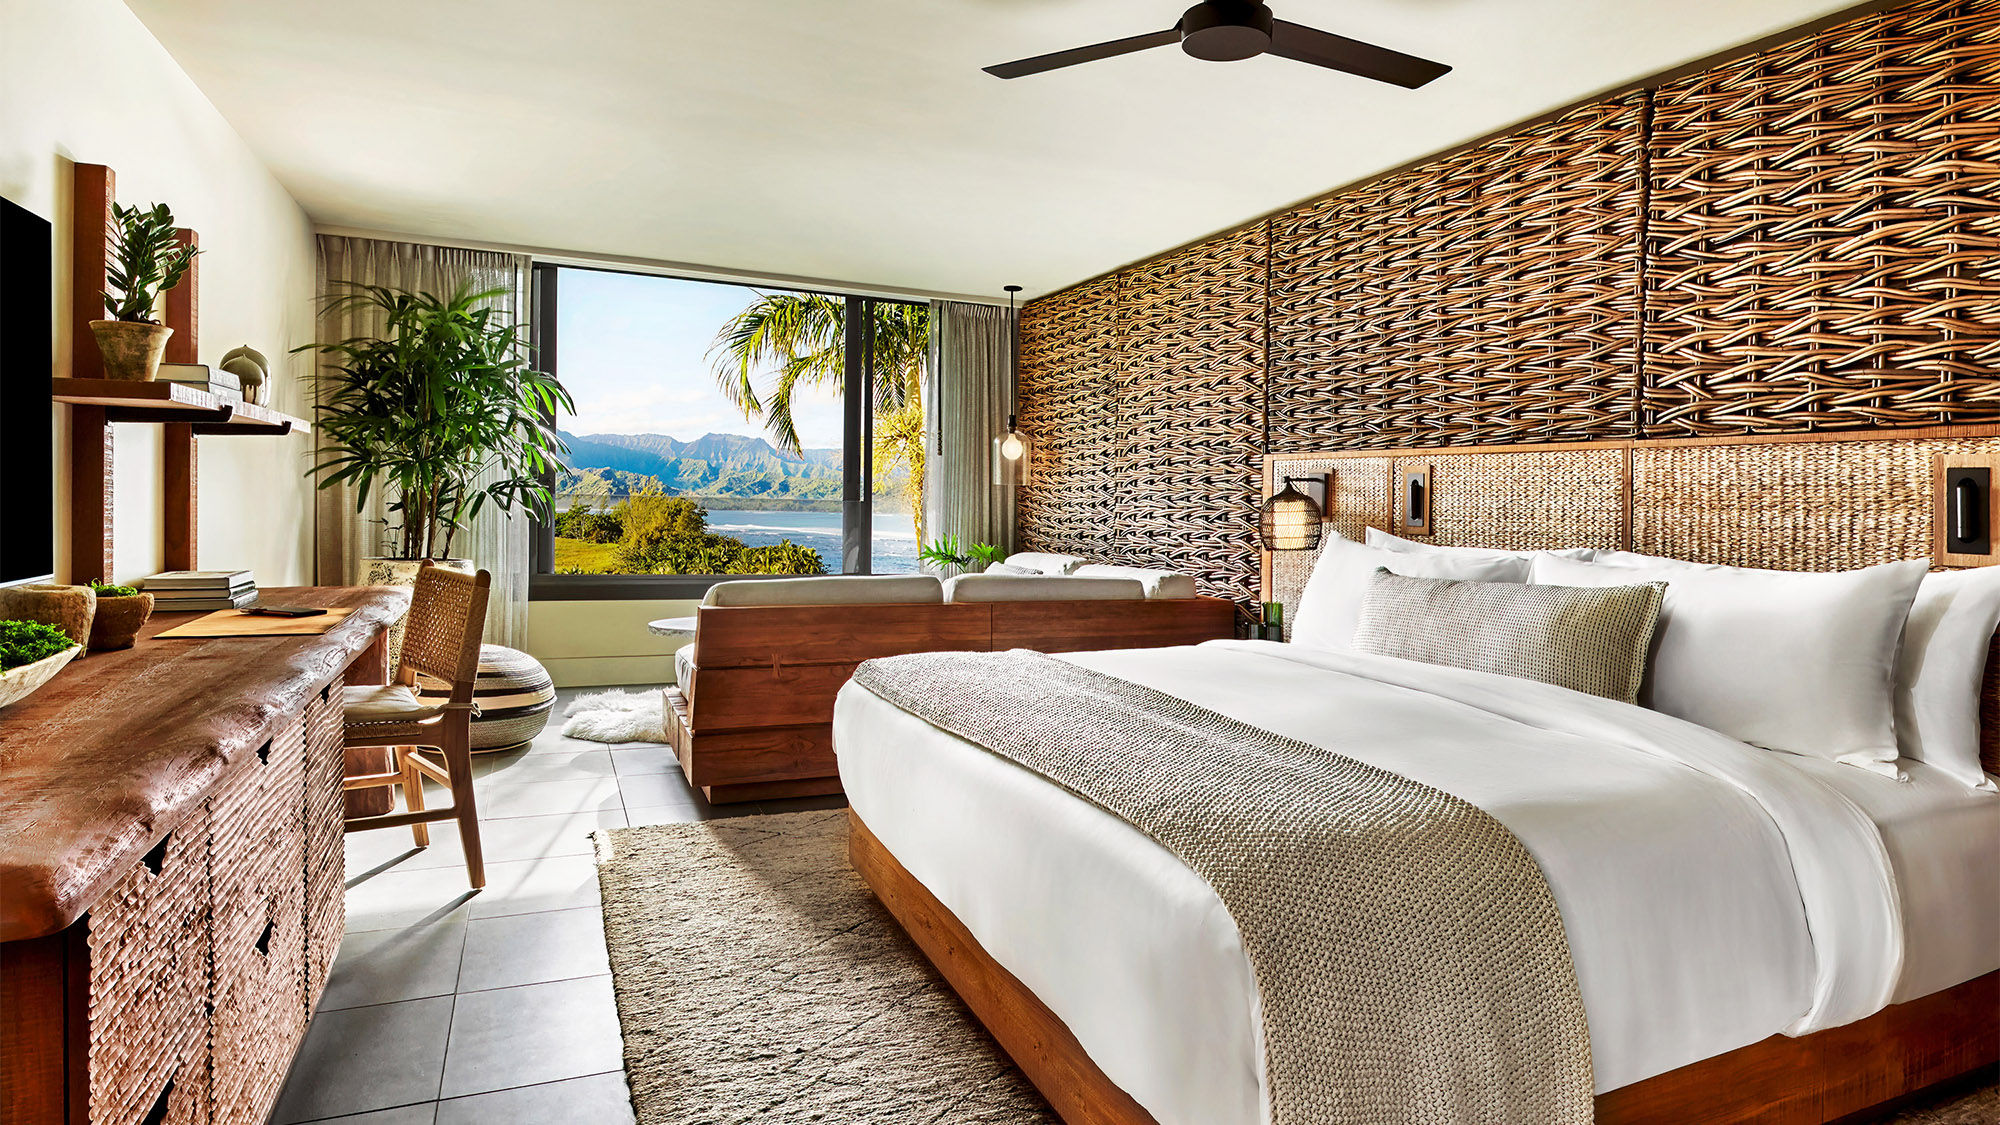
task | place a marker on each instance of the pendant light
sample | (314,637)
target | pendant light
(1012,449)
(1291,520)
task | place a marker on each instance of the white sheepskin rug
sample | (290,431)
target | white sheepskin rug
(617,716)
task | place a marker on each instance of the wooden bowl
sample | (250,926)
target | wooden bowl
(19,683)
(118,621)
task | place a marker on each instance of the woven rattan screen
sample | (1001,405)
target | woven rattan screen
(1804,239)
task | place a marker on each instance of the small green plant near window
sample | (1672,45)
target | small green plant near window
(146,261)
(944,551)
(24,642)
(107,590)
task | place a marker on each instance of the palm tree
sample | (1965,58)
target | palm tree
(800,340)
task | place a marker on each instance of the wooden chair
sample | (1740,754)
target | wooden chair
(441,640)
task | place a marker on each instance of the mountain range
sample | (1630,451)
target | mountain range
(607,468)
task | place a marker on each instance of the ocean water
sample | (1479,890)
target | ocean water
(895,545)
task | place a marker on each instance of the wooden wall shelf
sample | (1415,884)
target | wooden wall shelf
(126,400)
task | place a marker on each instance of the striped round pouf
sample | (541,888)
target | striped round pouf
(514,694)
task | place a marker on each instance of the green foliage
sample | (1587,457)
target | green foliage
(146,260)
(944,551)
(442,397)
(662,534)
(24,642)
(803,337)
(107,590)
(590,527)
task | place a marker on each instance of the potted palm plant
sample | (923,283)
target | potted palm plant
(442,410)
(146,260)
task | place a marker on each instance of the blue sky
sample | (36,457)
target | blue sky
(633,351)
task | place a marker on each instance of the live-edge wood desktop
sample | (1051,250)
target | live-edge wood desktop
(171,872)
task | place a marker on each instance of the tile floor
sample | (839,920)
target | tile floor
(449,1008)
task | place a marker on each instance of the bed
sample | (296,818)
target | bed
(1756,936)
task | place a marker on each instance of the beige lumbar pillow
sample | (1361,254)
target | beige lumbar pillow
(1587,639)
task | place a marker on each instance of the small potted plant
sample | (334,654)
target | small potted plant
(147,259)
(945,554)
(121,610)
(31,653)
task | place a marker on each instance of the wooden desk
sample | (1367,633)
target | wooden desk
(171,871)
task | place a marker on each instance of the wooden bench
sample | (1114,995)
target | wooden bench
(757,720)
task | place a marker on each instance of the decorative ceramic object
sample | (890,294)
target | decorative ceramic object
(69,608)
(19,683)
(401,572)
(131,349)
(251,369)
(118,620)
(514,694)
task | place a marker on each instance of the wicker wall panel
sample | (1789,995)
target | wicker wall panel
(1069,358)
(1823,231)
(1825,505)
(1185,471)
(1489,296)
(1540,500)
(1805,239)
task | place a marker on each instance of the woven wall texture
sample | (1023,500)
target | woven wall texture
(1804,239)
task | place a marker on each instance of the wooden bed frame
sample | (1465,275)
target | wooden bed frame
(1852,499)
(1829,1076)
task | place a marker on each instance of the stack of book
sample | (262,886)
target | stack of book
(201,377)
(181,591)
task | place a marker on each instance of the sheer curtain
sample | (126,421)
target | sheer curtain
(496,541)
(965,407)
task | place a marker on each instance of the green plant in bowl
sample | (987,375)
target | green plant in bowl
(107,590)
(25,642)
(31,653)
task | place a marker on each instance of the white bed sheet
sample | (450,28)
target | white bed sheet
(1677,889)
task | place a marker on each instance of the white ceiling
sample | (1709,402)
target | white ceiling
(857,141)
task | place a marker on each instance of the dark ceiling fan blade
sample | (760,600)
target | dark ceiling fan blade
(1323,48)
(1061,59)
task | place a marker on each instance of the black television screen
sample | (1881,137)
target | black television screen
(27,353)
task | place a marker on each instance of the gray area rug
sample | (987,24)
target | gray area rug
(758,980)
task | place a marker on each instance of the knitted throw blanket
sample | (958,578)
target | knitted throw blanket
(1411,962)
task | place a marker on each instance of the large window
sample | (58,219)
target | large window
(724,430)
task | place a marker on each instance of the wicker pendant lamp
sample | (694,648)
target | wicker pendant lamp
(1291,520)
(1011,449)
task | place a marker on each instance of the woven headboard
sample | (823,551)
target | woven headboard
(1786,504)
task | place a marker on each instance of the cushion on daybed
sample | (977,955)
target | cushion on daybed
(830,590)
(1157,583)
(1044,588)
(1043,563)
(684,668)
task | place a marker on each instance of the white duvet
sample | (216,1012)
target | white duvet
(1712,893)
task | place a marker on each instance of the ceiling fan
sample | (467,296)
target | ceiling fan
(1230,30)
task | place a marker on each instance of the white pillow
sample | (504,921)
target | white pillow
(1383,541)
(1330,605)
(1008,568)
(1042,563)
(1790,661)
(1938,676)
(1387,542)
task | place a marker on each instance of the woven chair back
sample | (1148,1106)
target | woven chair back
(441,638)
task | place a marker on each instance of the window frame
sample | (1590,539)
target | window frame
(857,452)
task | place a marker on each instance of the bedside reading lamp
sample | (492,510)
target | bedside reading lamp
(1291,520)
